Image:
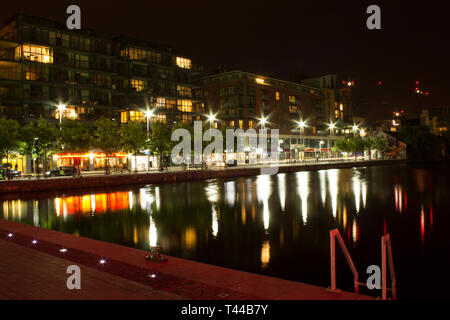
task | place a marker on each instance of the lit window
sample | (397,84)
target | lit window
(137,116)
(277,95)
(341,107)
(70,112)
(184,91)
(171,104)
(259,80)
(292,99)
(293,108)
(186,118)
(185,105)
(251,124)
(184,63)
(241,124)
(160,102)
(232,123)
(139,85)
(159,117)
(34,53)
(123,117)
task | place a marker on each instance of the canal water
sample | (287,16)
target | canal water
(274,225)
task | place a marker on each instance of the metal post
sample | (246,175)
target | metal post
(383,269)
(333,261)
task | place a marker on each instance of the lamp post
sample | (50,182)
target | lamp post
(331,127)
(301,125)
(34,158)
(262,122)
(148,114)
(211,119)
(355,129)
(61,109)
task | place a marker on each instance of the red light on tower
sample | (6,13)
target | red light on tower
(426,93)
(379,83)
(417,82)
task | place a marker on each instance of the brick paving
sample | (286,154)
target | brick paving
(38,271)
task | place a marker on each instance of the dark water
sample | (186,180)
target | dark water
(275,225)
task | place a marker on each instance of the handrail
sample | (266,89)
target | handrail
(336,234)
(386,244)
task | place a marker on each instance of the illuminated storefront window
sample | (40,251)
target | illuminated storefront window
(293,108)
(185,105)
(34,53)
(184,63)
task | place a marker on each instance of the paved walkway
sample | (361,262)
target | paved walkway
(38,271)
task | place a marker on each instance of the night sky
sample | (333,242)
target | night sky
(278,38)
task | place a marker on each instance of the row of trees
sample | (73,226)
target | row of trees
(41,139)
(358,144)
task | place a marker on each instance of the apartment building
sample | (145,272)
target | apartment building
(43,65)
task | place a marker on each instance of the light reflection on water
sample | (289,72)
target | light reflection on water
(276,225)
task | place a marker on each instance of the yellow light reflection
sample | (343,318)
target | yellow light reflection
(189,239)
(265,254)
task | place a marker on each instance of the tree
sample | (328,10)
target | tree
(132,139)
(421,143)
(39,139)
(380,144)
(160,140)
(368,145)
(75,136)
(9,137)
(341,145)
(355,144)
(106,137)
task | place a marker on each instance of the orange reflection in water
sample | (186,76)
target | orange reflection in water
(87,204)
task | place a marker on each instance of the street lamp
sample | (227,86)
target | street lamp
(355,129)
(211,119)
(148,114)
(61,109)
(34,157)
(301,125)
(331,126)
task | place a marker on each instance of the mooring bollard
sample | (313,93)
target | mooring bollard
(155,255)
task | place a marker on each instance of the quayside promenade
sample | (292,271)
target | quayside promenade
(173,175)
(33,266)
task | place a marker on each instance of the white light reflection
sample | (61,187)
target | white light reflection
(282,189)
(152,233)
(130,198)
(357,192)
(303,192)
(332,177)
(323,186)
(212,193)
(263,185)
(230,192)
